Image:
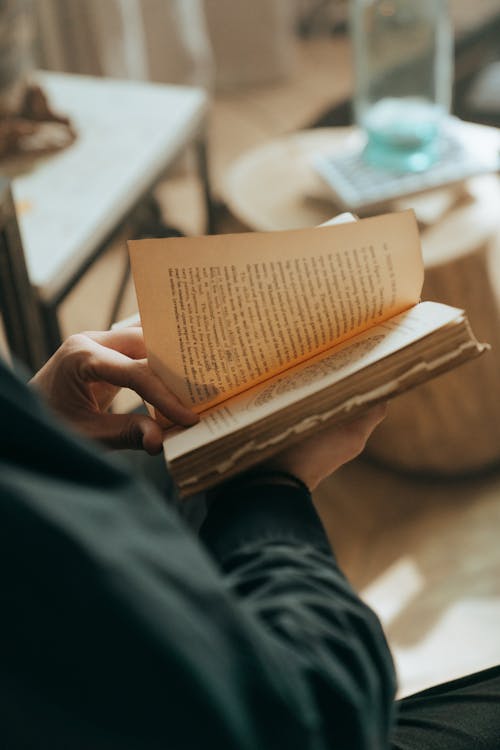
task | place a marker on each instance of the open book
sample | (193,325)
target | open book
(270,336)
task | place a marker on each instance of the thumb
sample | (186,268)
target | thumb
(126,431)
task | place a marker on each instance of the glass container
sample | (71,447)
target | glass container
(403,63)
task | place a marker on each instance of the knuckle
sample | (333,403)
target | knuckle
(137,372)
(75,351)
(82,357)
(76,342)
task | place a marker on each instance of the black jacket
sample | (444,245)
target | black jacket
(119,629)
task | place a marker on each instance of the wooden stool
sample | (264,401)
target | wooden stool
(452,425)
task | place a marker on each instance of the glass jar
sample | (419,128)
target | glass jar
(403,63)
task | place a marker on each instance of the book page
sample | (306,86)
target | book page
(222,313)
(307,378)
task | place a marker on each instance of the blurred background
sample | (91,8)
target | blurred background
(269,67)
(425,554)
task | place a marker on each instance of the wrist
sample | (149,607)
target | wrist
(301,472)
(258,477)
(263,507)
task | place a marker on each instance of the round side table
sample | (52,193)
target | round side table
(274,186)
(449,426)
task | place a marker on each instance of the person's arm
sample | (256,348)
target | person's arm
(118,631)
(264,531)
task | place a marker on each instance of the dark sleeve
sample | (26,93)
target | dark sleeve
(118,630)
(271,545)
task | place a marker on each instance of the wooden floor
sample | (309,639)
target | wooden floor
(425,555)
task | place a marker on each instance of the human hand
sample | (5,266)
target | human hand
(84,375)
(320,455)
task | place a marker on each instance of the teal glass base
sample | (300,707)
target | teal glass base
(397,159)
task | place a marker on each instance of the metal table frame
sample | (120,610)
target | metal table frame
(31,323)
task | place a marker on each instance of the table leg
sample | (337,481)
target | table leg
(120,293)
(52,327)
(19,303)
(204,175)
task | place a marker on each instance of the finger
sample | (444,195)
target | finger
(113,367)
(132,320)
(361,427)
(326,450)
(370,418)
(125,431)
(128,340)
(349,438)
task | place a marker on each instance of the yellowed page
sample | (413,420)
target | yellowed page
(282,391)
(222,313)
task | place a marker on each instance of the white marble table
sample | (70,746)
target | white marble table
(69,204)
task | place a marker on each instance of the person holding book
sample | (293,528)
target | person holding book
(274,334)
(120,629)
